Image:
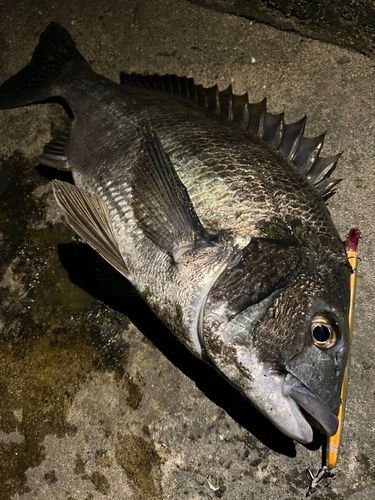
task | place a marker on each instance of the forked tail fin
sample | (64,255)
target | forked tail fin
(54,54)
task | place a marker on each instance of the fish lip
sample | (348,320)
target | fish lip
(311,404)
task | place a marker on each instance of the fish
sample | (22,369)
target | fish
(215,211)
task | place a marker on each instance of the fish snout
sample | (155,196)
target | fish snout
(311,404)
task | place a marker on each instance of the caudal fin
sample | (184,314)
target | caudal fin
(54,53)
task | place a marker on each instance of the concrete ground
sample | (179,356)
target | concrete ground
(97,399)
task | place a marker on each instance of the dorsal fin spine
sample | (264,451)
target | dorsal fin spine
(230,104)
(214,100)
(262,121)
(246,114)
(273,129)
(308,151)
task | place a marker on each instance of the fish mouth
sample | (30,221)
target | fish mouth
(312,405)
(282,398)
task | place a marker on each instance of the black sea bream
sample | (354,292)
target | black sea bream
(215,211)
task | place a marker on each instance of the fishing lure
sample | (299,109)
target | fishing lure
(333,442)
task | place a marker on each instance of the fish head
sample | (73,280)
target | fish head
(283,339)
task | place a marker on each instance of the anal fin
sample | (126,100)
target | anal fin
(87,214)
(54,153)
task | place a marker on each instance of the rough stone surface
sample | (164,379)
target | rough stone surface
(348,23)
(97,399)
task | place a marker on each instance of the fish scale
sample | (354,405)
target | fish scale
(214,210)
(221,170)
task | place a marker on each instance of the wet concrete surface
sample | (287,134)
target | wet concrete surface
(97,399)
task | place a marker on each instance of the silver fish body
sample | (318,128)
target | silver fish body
(225,239)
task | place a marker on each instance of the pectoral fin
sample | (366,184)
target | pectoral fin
(161,203)
(88,216)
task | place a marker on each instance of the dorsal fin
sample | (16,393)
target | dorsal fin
(254,118)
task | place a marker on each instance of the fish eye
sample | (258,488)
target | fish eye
(322,332)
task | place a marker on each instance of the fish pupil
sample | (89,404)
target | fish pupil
(321,333)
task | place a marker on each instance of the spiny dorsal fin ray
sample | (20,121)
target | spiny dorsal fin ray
(322,168)
(240,107)
(292,138)
(226,103)
(257,114)
(88,216)
(307,152)
(252,117)
(161,203)
(274,128)
(325,187)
